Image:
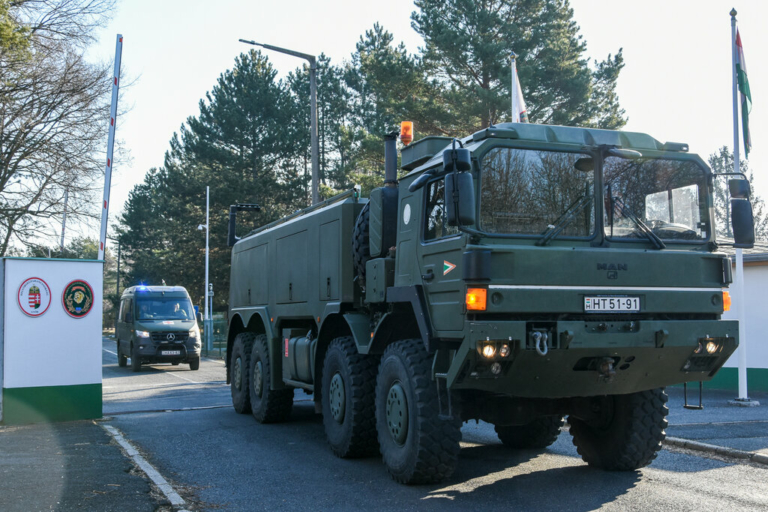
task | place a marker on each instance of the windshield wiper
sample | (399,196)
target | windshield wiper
(642,226)
(566,218)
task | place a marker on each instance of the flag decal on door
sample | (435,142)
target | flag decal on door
(447,267)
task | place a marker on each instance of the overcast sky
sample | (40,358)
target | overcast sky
(676,85)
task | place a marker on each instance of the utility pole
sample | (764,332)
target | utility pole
(313,113)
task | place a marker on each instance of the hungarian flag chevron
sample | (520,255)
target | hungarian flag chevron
(746,96)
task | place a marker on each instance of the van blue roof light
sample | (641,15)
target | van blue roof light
(142,288)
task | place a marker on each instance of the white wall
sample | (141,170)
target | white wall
(53,349)
(756,303)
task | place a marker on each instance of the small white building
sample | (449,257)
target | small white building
(755,302)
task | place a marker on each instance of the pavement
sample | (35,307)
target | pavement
(178,425)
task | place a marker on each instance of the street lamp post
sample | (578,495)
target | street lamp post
(206,309)
(313,114)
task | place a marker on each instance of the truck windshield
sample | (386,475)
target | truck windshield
(533,192)
(164,308)
(667,196)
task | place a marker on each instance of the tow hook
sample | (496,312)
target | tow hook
(540,342)
(606,370)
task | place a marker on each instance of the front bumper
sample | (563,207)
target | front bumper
(644,354)
(155,352)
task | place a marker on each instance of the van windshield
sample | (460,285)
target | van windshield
(164,308)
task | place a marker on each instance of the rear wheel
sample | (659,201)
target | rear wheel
(122,361)
(135,359)
(629,433)
(539,433)
(348,398)
(241,351)
(416,444)
(194,364)
(267,405)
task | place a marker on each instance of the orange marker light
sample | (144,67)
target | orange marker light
(476,299)
(406,132)
(726,301)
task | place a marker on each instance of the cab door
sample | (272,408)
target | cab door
(441,253)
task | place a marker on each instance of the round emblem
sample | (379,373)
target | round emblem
(170,336)
(407,214)
(77,298)
(34,296)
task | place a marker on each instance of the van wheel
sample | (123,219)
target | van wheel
(417,445)
(122,361)
(349,400)
(539,433)
(629,434)
(361,250)
(194,364)
(267,405)
(135,359)
(241,352)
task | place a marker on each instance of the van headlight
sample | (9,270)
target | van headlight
(194,333)
(142,334)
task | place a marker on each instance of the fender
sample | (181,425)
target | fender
(415,296)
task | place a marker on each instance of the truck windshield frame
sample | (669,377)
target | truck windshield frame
(164,308)
(541,176)
(669,195)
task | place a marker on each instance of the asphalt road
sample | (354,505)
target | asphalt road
(220,460)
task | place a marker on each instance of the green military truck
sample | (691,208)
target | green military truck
(517,276)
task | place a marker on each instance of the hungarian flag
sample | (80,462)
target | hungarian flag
(746,96)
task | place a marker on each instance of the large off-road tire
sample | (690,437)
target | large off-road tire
(135,359)
(537,434)
(349,399)
(417,446)
(194,364)
(361,249)
(629,435)
(267,405)
(241,352)
(122,361)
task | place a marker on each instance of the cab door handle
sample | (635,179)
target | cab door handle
(428,276)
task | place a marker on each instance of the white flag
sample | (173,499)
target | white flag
(519,112)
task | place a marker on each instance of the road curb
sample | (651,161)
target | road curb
(719,450)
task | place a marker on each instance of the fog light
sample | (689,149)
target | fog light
(711,347)
(496,368)
(141,347)
(504,350)
(489,351)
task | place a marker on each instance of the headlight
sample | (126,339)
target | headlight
(193,333)
(142,334)
(489,351)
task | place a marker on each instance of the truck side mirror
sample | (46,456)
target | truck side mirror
(739,188)
(459,199)
(742,221)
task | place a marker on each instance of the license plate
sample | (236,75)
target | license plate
(611,304)
(170,353)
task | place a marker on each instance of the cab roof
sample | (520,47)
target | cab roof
(542,133)
(162,290)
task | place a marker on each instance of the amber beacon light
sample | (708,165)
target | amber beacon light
(406,132)
(726,301)
(476,298)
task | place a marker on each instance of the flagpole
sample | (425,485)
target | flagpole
(743,392)
(513,89)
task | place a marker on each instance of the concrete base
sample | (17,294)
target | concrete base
(744,402)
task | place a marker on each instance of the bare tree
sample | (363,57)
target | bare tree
(54,107)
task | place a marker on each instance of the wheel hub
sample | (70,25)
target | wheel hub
(397,413)
(238,373)
(338,399)
(257,370)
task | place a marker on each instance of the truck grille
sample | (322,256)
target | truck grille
(163,337)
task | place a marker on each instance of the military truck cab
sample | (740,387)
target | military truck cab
(157,324)
(518,276)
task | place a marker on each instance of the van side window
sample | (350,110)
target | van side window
(436,226)
(128,308)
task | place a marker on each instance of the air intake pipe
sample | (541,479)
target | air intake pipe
(390,159)
(233,209)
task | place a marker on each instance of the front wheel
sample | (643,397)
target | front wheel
(417,445)
(122,360)
(628,434)
(194,364)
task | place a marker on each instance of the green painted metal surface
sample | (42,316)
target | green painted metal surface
(51,403)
